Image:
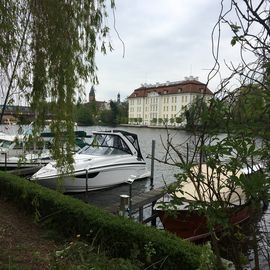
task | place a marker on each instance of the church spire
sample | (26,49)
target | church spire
(92,95)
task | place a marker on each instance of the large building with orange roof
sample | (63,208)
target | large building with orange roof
(163,103)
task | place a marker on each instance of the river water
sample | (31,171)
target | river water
(162,174)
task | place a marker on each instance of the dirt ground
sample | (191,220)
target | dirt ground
(22,242)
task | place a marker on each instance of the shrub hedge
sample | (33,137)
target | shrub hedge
(119,236)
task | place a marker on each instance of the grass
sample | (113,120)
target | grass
(25,245)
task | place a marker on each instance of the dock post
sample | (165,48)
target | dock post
(5,154)
(124,205)
(5,160)
(187,153)
(154,220)
(152,176)
(130,200)
(86,183)
(130,182)
(140,214)
(152,163)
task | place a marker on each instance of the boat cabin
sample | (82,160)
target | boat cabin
(115,142)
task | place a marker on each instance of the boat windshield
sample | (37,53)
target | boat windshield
(106,144)
(5,144)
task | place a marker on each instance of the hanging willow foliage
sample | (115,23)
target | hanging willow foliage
(47,49)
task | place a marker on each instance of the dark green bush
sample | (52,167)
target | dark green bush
(119,236)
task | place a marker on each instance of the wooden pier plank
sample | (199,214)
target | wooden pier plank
(139,200)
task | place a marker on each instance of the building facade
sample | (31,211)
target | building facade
(164,103)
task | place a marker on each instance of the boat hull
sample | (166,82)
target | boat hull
(95,179)
(190,225)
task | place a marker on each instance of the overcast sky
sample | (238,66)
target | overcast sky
(164,41)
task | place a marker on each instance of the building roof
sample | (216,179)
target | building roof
(169,88)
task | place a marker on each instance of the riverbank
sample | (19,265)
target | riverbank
(154,126)
(23,244)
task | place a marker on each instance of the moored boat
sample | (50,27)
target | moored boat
(111,159)
(17,152)
(191,224)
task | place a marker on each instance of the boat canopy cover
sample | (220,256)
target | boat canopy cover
(132,137)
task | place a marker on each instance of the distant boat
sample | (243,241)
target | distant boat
(112,158)
(191,224)
(16,152)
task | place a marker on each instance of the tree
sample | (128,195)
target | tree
(84,116)
(160,121)
(154,121)
(194,113)
(122,116)
(114,112)
(239,148)
(106,117)
(178,120)
(49,63)
(248,107)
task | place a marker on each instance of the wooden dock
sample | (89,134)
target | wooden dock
(139,202)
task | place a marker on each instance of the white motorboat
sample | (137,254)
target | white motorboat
(13,154)
(111,159)
(17,152)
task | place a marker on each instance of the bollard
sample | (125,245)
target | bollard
(130,182)
(124,205)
